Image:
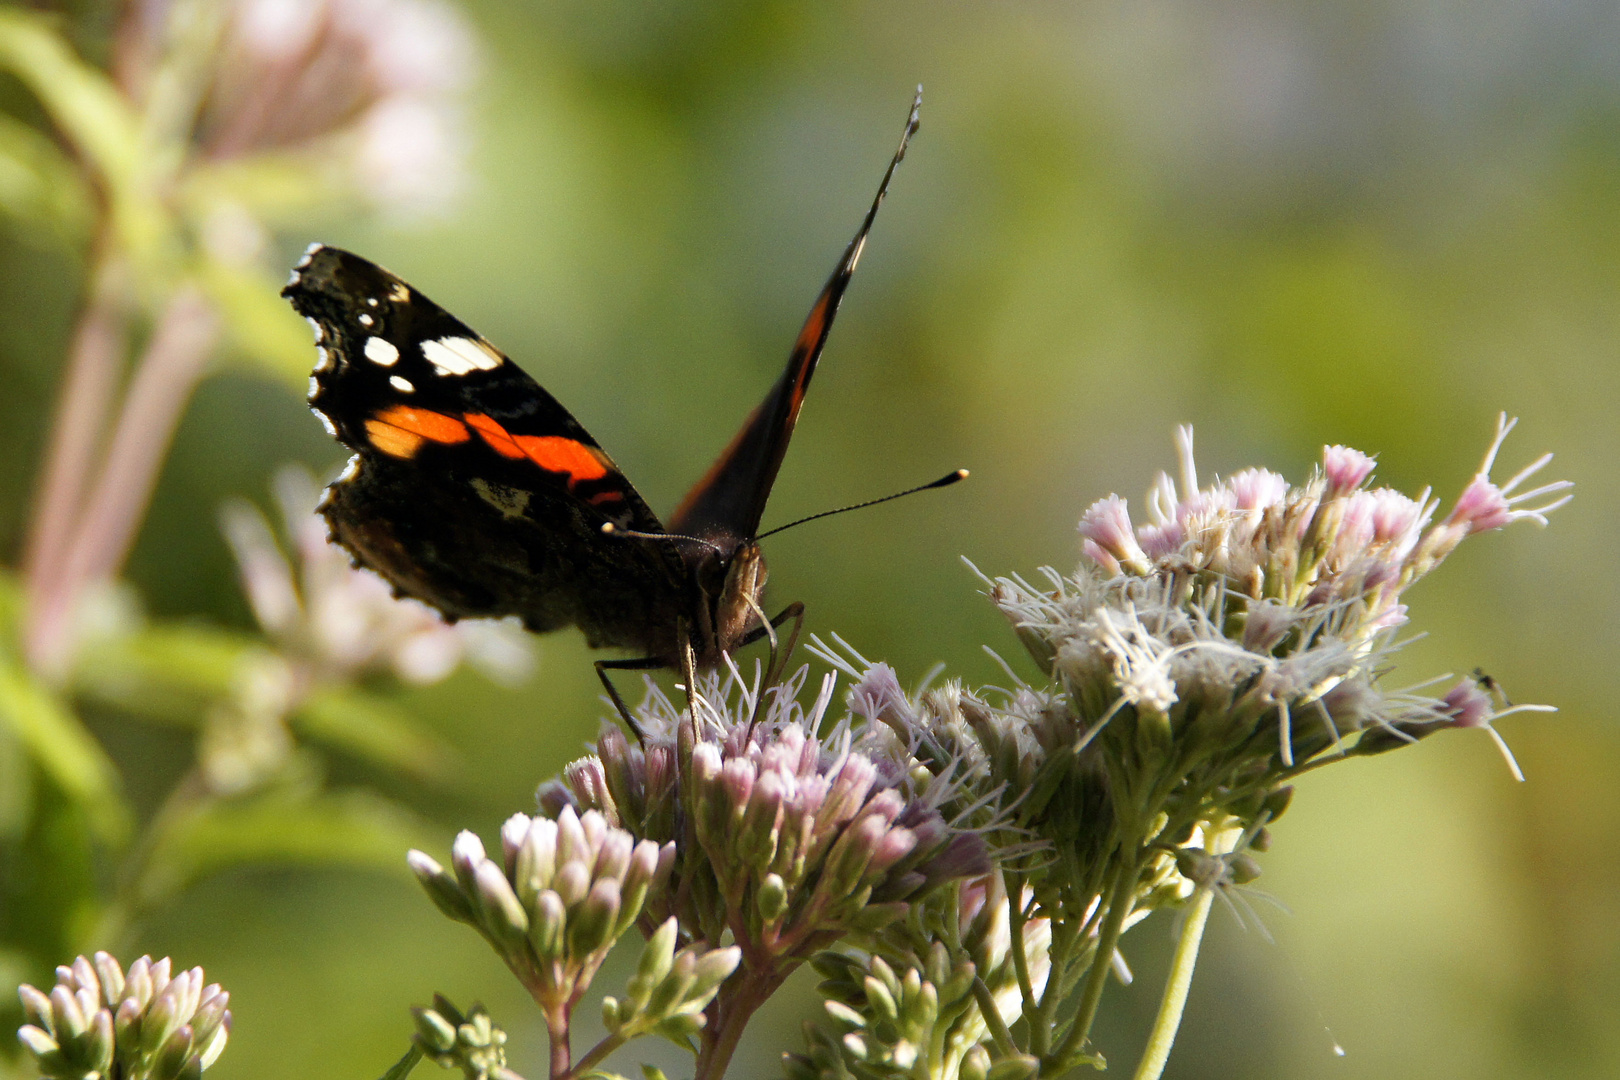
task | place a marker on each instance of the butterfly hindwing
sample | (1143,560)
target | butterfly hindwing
(472,488)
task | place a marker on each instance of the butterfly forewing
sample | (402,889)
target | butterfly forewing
(726,506)
(472,488)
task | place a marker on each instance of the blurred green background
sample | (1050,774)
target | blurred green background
(1288,224)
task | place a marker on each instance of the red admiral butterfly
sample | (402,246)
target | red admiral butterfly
(473,490)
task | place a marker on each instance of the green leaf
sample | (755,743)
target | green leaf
(372,728)
(87,107)
(286,826)
(169,673)
(39,186)
(62,747)
(402,1068)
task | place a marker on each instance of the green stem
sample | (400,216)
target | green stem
(1168,1022)
(992,1018)
(597,1053)
(1102,961)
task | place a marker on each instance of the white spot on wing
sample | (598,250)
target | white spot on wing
(382,352)
(320,332)
(309,253)
(372,300)
(399,293)
(326,422)
(292,279)
(366,320)
(314,388)
(350,470)
(460,356)
(402,384)
(323,359)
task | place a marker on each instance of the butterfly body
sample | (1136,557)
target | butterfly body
(472,489)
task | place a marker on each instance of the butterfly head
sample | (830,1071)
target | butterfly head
(731,585)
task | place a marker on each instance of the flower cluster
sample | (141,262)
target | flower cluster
(470,1042)
(1197,664)
(787,837)
(146,1025)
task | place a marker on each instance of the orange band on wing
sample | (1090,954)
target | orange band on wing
(553,453)
(400,430)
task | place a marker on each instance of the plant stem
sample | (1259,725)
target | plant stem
(87,391)
(601,1050)
(105,526)
(732,1011)
(1168,1022)
(1119,907)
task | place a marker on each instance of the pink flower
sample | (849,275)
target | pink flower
(1345,468)
(1486,505)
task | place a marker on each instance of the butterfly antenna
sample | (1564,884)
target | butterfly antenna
(610,529)
(945,481)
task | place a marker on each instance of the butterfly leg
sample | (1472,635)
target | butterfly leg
(645,663)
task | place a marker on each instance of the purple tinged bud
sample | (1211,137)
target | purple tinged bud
(171,1056)
(590,930)
(112,978)
(571,843)
(138,983)
(84,978)
(738,777)
(547,927)
(160,975)
(891,847)
(97,1050)
(39,1044)
(36,1008)
(537,862)
(513,831)
(638,877)
(551,796)
(210,1014)
(588,782)
(159,1022)
(1345,468)
(441,888)
(595,828)
(572,883)
(127,1020)
(68,1020)
(504,918)
(466,853)
(214,1044)
(614,857)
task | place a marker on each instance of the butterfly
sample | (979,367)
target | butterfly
(472,489)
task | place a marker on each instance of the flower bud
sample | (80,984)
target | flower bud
(547,926)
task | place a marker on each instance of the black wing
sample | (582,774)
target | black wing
(472,488)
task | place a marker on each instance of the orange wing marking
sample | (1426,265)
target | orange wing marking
(553,453)
(399,430)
